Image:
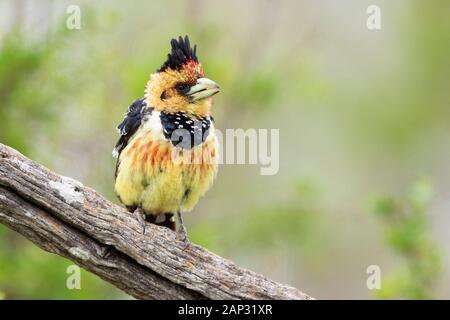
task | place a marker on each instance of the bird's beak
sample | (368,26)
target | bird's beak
(204,88)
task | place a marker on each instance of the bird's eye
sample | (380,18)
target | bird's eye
(182,88)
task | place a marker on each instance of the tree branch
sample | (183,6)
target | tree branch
(62,216)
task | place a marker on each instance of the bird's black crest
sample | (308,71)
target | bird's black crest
(180,54)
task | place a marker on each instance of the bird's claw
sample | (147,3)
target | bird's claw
(140,218)
(183,237)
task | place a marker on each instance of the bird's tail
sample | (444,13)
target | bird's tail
(166,220)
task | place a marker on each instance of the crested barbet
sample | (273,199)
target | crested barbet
(167,151)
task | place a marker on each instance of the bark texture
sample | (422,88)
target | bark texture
(62,216)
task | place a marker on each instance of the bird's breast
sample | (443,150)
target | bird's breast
(150,150)
(161,176)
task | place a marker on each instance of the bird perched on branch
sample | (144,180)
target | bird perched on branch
(167,151)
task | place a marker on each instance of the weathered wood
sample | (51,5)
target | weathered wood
(111,265)
(62,216)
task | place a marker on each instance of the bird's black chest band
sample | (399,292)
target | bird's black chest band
(184,132)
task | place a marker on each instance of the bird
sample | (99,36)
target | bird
(167,152)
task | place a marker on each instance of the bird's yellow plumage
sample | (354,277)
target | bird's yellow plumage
(147,174)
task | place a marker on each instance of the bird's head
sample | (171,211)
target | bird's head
(180,84)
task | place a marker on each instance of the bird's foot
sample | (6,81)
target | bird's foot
(182,236)
(139,213)
(182,232)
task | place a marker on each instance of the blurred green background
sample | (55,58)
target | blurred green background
(363,118)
